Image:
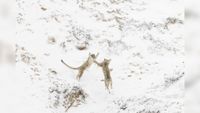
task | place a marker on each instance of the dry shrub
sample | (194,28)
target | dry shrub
(74,98)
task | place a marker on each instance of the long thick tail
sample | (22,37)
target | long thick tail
(69,66)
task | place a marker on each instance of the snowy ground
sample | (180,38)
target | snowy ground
(143,39)
(192,99)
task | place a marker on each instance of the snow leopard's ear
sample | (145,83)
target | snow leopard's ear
(97,54)
(107,60)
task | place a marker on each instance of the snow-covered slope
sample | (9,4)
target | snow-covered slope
(143,39)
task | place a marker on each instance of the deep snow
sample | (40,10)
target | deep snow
(143,39)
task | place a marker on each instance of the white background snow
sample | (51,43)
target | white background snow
(143,39)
